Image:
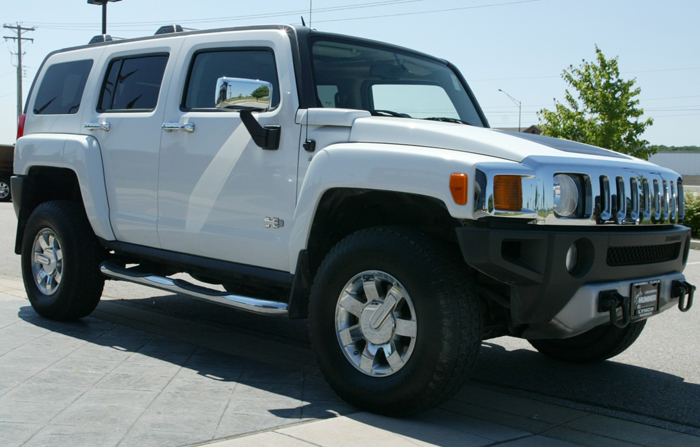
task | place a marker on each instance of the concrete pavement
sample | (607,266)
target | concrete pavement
(127,377)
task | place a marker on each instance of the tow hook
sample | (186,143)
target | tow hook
(684,291)
(610,300)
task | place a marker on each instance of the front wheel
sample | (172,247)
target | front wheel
(60,262)
(596,345)
(394,321)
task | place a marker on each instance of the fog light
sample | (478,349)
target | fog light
(565,195)
(572,257)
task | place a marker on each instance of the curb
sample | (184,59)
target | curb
(695,244)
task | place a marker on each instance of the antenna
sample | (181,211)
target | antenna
(311,7)
(302,21)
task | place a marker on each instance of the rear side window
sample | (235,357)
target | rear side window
(62,88)
(133,84)
(208,66)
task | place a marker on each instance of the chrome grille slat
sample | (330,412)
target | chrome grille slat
(605,199)
(621,205)
(634,194)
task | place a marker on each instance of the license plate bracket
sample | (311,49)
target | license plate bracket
(645,298)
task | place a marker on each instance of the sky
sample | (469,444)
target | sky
(518,46)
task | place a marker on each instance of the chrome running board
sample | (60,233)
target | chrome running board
(248,304)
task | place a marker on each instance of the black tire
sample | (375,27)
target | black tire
(447,312)
(5,193)
(596,345)
(76,291)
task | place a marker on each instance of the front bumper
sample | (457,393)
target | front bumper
(532,260)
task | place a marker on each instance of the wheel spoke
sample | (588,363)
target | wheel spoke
(52,242)
(351,304)
(57,276)
(42,243)
(49,284)
(40,277)
(367,361)
(370,287)
(394,359)
(59,255)
(387,307)
(350,335)
(405,328)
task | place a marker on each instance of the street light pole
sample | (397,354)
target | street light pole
(520,108)
(103,3)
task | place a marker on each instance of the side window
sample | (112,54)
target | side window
(133,84)
(208,66)
(62,88)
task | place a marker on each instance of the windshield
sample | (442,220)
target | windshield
(388,82)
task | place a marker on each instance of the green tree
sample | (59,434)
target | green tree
(604,111)
(261,92)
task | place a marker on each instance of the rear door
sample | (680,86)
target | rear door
(220,195)
(126,117)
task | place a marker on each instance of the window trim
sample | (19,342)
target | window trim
(223,50)
(98,107)
(82,94)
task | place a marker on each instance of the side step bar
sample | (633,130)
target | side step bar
(254,305)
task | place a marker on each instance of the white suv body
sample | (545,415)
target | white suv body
(133,135)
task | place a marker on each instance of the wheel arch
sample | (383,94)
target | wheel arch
(61,167)
(343,211)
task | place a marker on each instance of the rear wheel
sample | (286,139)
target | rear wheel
(394,321)
(5,195)
(596,345)
(60,262)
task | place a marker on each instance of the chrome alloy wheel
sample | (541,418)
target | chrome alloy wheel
(4,190)
(376,323)
(47,261)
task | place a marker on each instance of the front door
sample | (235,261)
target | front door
(221,196)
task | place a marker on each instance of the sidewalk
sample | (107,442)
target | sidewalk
(127,377)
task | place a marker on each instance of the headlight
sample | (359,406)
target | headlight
(565,195)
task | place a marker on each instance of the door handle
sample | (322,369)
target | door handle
(97,126)
(169,127)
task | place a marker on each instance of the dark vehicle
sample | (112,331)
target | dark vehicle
(6,160)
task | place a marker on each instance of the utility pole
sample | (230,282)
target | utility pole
(18,29)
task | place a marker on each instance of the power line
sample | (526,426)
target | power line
(54,25)
(428,12)
(18,30)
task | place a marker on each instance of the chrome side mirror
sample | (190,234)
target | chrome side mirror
(247,96)
(236,94)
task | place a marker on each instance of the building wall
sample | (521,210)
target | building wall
(684,163)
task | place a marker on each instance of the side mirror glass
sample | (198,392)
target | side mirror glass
(236,94)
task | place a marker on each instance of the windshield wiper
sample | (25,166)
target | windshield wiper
(448,120)
(389,113)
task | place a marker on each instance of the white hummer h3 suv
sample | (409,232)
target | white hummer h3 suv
(343,180)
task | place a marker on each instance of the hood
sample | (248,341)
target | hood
(513,146)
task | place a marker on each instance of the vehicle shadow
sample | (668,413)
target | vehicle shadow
(190,384)
(274,395)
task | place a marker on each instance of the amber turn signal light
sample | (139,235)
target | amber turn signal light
(458,187)
(508,192)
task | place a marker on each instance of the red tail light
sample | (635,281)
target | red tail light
(20,125)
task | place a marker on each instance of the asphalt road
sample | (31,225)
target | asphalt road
(658,377)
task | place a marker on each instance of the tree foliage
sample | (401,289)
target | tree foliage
(261,92)
(604,111)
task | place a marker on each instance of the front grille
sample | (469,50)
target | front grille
(638,199)
(649,254)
